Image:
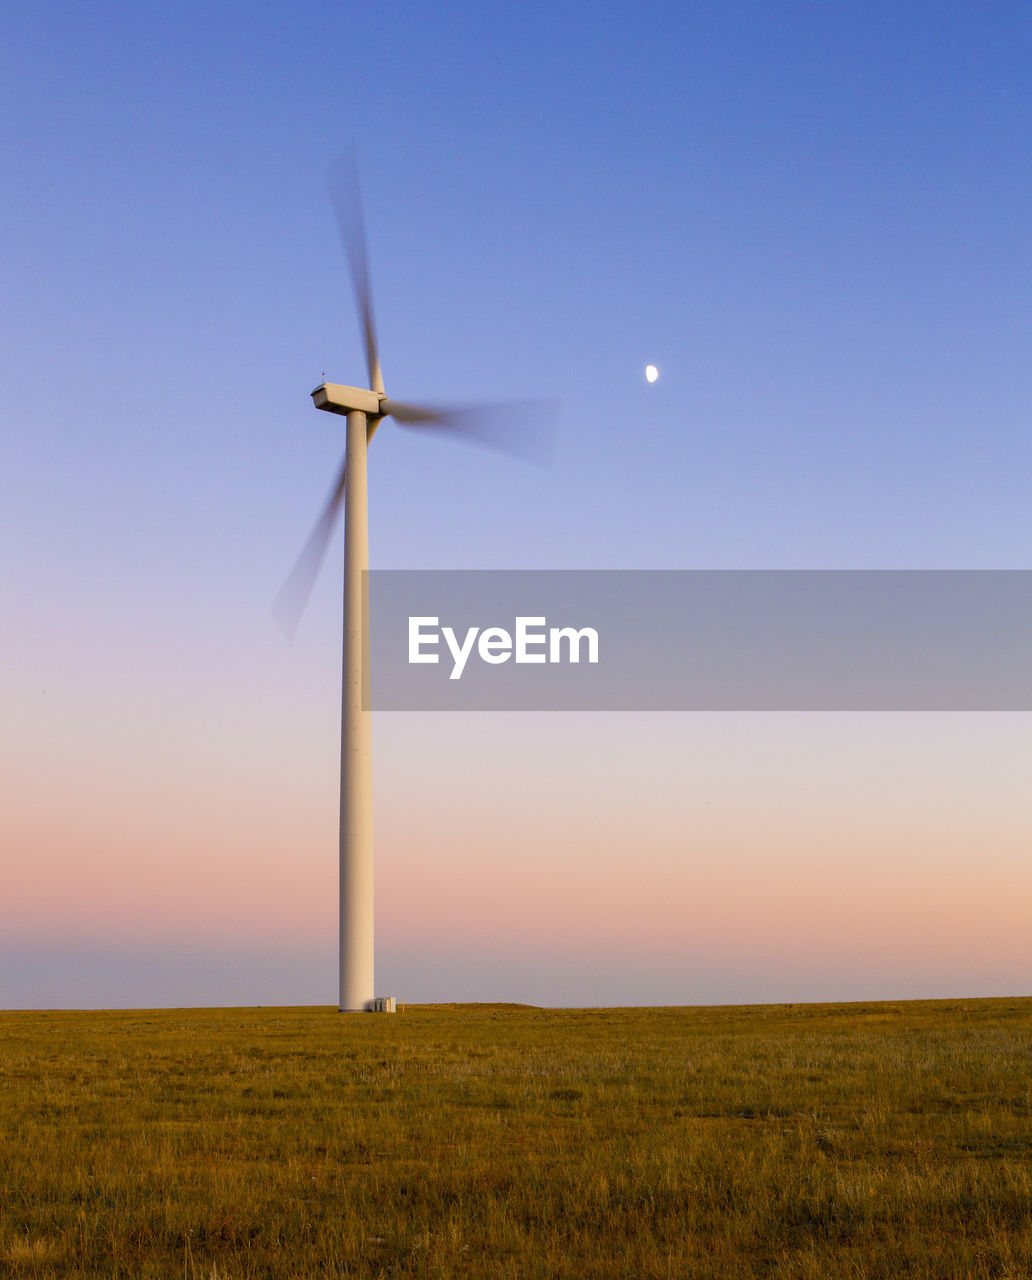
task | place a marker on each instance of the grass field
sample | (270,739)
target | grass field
(880,1140)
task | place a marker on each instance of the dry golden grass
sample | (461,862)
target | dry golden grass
(881,1140)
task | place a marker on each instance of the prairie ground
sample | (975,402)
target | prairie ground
(880,1140)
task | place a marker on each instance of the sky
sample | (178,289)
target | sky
(812,218)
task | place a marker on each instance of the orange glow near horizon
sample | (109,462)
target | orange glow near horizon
(665,842)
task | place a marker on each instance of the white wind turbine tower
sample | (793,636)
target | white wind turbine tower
(525,429)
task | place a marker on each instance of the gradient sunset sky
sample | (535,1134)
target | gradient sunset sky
(813,218)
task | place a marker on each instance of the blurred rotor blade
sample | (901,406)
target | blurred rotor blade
(293,595)
(347,203)
(525,428)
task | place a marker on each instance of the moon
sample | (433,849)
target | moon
(651,373)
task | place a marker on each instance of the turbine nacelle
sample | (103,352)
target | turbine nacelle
(335,398)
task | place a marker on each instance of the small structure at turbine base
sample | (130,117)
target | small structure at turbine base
(381,1004)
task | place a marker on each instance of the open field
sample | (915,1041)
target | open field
(878,1140)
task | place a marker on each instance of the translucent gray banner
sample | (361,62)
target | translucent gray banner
(700,640)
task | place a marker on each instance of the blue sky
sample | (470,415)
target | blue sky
(813,218)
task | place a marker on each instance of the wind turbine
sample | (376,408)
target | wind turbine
(526,429)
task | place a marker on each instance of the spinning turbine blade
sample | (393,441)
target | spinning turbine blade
(293,595)
(347,202)
(525,428)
